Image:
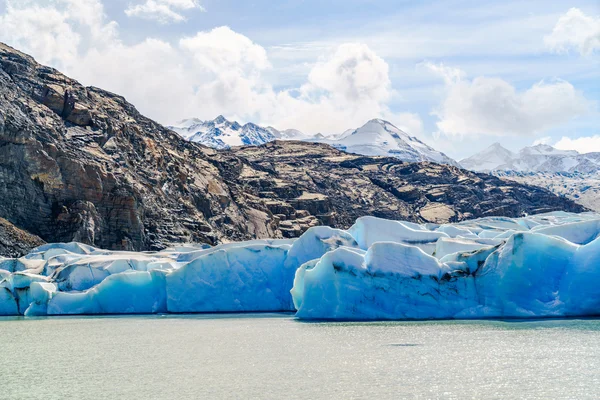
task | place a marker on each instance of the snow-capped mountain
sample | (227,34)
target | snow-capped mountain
(489,159)
(538,158)
(376,138)
(381,138)
(582,188)
(288,134)
(222,134)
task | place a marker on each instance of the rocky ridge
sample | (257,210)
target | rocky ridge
(335,188)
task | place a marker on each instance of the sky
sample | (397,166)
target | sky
(459,75)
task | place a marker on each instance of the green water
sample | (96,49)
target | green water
(277,357)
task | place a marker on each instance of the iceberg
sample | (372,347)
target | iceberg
(545,265)
(529,274)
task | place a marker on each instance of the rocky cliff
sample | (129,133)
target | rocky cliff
(80,163)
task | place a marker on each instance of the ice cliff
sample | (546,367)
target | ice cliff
(545,265)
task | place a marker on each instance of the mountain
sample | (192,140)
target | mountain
(294,178)
(538,158)
(376,138)
(380,138)
(222,134)
(582,188)
(287,134)
(82,164)
(489,159)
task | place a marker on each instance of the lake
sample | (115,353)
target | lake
(274,356)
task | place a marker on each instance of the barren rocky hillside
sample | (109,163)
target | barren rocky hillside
(80,163)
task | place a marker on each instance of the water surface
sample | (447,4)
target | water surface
(276,357)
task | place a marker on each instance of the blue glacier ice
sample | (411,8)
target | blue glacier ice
(545,265)
(248,278)
(527,274)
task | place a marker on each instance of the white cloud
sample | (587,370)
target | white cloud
(163,11)
(410,123)
(148,74)
(345,89)
(542,140)
(575,30)
(586,144)
(54,30)
(492,106)
(223,49)
(354,74)
(450,75)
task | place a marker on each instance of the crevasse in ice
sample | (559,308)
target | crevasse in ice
(536,266)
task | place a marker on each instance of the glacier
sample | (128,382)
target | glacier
(545,265)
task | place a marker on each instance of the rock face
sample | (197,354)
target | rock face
(304,184)
(80,163)
(15,242)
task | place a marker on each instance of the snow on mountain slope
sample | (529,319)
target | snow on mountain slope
(546,150)
(492,158)
(583,188)
(381,138)
(539,158)
(376,138)
(287,134)
(221,133)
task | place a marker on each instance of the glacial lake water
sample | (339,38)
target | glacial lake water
(274,356)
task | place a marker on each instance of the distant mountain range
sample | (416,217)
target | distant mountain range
(564,172)
(583,188)
(539,158)
(222,134)
(375,138)
(381,138)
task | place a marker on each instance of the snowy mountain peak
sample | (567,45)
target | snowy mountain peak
(377,137)
(378,121)
(189,122)
(538,158)
(493,157)
(382,138)
(497,146)
(292,134)
(220,120)
(546,149)
(221,133)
